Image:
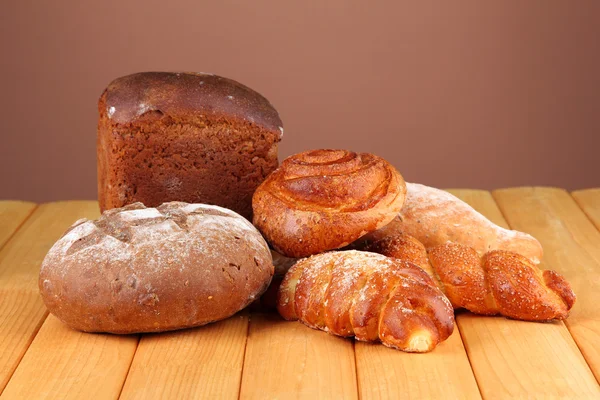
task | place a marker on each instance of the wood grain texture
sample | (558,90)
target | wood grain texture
(444,373)
(513,359)
(571,246)
(12,215)
(287,360)
(589,201)
(21,315)
(65,364)
(21,309)
(21,258)
(204,363)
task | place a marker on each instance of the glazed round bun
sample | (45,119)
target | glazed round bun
(322,200)
(139,269)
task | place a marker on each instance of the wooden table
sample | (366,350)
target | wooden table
(260,356)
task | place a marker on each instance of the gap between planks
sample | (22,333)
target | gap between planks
(555,218)
(13,215)
(55,362)
(202,362)
(589,202)
(57,351)
(516,358)
(60,362)
(297,324)
(286,359)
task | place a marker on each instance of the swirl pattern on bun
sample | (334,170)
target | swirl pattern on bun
(322,200)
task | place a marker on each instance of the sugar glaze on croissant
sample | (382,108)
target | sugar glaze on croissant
(368,296)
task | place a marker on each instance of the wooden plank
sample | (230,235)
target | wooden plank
(61,362)
(571,247)
(517,359)
(21,315)
(65,364)
(589,201)
(514,359)
(286,359)
(21,309)
(444,373)
(12,215)
(204,362)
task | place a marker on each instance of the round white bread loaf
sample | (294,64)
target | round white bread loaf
(139,269)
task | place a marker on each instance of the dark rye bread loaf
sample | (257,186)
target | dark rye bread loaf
(139,269)
(192,137)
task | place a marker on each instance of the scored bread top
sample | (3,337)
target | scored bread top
(139,269)
(180,94)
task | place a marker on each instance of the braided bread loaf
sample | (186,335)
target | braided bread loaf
(369,296)
(325,199)
(499,282)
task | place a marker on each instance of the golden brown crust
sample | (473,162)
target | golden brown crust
(500,282)
(286,298)
(325,199)
(460,274)
(519,288)
(557,283)
(369,296)
(404,247)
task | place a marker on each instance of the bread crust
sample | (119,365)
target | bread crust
(369,296)
(181,94)
(499,282)
(197,138)
(321,200)
(139,269)
(434,217)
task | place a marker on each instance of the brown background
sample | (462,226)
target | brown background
(455,94)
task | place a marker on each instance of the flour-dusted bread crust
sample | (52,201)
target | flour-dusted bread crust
(139,269)
(435,217)
(325,199)
(193,137)
(368,296)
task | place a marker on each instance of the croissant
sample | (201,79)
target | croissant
(368,296)
(499,282)
(434,217)
(325,199)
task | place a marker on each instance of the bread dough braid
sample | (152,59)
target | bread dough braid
(499,282)
(369,296)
